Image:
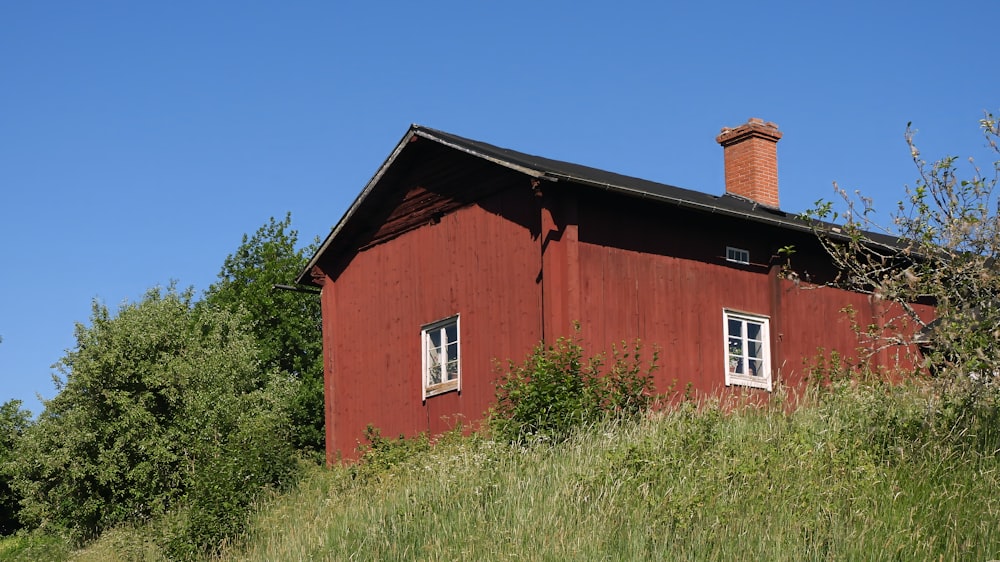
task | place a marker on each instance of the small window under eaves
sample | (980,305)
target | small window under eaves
(737,255)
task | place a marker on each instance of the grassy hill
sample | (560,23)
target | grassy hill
(855,472)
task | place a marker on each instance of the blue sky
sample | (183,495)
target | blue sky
(139,141)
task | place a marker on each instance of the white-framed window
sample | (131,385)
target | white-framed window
(748,349)
(737,255)
(441,366)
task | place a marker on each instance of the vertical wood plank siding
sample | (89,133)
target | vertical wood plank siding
(481,262)
(518,267)
(659,273)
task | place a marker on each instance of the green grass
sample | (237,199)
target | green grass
(856,473)
(867,473)
(32,547)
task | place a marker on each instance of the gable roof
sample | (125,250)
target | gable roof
(558,171)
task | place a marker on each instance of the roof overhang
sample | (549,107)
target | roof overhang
(415,132)
(556,171)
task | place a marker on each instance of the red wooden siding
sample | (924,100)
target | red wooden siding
(560,262)
(814,320)
(672,304)
(520,265)
(480,261)
(660,274)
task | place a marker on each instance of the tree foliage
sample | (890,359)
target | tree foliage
(286,325)
(13,422)
(162,407)
(947,248)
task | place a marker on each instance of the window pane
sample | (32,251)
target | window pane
(433,365)
(746,338)
(434,358)
(441,364)
(735,346)
(452,361)
(736,365)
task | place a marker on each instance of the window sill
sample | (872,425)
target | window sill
(436,389)
(764,384)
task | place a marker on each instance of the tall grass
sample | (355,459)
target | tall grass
(855,472)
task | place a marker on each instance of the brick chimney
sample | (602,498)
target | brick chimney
(751,154)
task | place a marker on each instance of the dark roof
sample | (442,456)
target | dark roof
(568,171)
(557,170)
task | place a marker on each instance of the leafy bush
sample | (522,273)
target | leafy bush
(286,325)
(13,422)
(381,453)
(164,409)
(246,451)
(557,389)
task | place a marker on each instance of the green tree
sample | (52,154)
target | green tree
(162,408)
(286,324)
(13,422)
(947,248)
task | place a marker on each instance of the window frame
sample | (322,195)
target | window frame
(739,255)
(745,379)
(426,332)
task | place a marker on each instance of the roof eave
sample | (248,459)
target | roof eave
(305,277)
(681,202)
(533,172)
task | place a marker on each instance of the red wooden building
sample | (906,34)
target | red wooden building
(458,253)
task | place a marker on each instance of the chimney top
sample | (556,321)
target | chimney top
(754,126)
(751,160)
